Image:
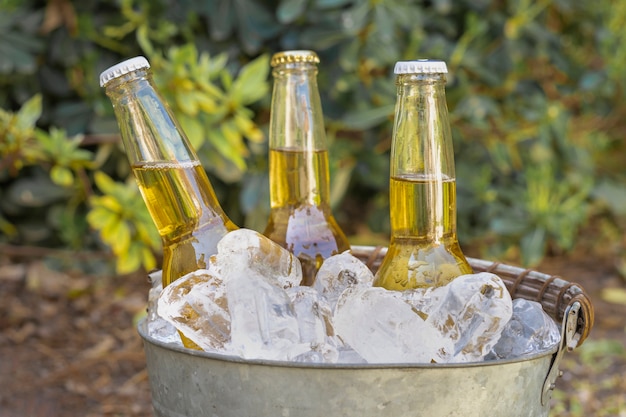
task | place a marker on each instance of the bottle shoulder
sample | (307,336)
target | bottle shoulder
(307,229)
(416,263)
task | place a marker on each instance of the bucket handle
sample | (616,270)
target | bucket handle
(571,334)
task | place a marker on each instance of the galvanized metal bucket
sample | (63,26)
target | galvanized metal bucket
(194,383)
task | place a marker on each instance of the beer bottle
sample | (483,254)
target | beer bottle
(300,218)
(174,186)
(423,250)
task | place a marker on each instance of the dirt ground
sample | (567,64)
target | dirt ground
(68,344)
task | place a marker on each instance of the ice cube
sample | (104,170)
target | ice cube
(247,250)
(471,311)
(256,272)
(196,305)
(315,323)
(263,319)
(313,314)
(324,353)
(382,328)
(348,355)
(529,331)
(156,286)
(158,327)
(340,272)
(164,331)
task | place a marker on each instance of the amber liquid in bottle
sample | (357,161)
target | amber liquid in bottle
(301,220)
(425,252)
(180,201)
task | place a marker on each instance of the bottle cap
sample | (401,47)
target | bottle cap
(122,68)
(421,66)
(288,57)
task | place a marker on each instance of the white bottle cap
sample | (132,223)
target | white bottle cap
(122,68)
(421,66)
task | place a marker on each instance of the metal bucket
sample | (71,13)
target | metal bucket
(194,383)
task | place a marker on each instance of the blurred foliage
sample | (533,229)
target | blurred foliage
(535,92)
(124,224)
(589,386)
(215,117)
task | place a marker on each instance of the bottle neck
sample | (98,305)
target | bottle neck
(422,141)
(422,185)
(298,151)
(148,128)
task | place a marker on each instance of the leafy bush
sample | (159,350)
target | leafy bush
(535,92)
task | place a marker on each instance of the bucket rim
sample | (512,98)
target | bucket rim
(142,329)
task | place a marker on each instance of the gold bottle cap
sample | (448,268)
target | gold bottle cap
(288,57)
(421,66)
(124,67)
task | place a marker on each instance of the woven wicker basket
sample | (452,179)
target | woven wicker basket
(553,292)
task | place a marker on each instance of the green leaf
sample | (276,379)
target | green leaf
(194,130)
(105,183)
(214,64)
(29,113)
(117,235)
(147,259)
(222,140)
(251,84)
(18,51)
(185,100)
(255,24)
(110,203)
(62,176)
(224,168)
(147,231)
(248,128)
(323,37)
(129,261)
(613,195)
(290,10)
(206,103)
(358,16)
(100,217)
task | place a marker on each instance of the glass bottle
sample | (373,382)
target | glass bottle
(300,217)
(174,186)
(424,250)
